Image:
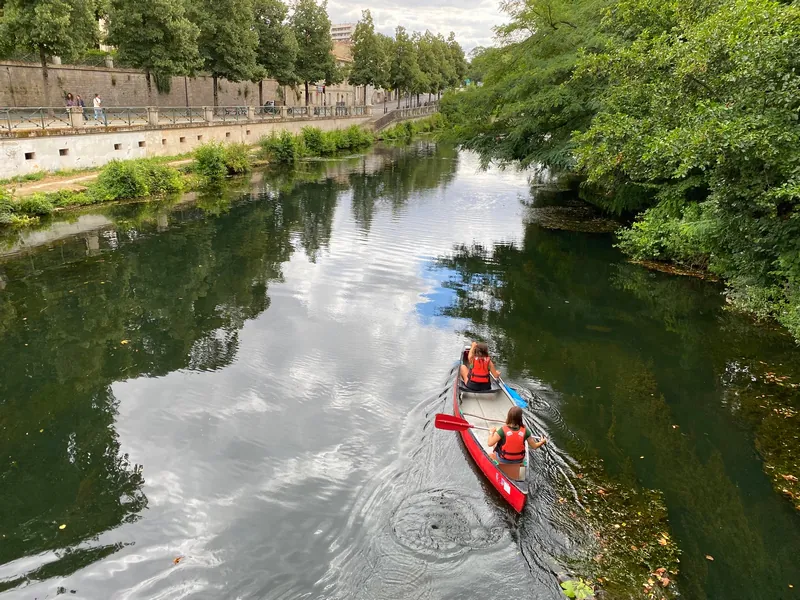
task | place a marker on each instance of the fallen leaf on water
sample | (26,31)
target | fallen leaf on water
(662,541)
(665,581)
(41,431)
(177,559)
(674,426)
(641,457)
(789,477)
(634,548)
(709,557)
(123,342)
(62,526)
(661,571)
(562,500)
(790,585)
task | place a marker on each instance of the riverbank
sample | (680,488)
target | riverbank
(26,202)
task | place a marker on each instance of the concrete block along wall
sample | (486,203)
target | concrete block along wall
(22,84)
(20,156)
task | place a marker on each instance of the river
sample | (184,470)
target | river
(230,394)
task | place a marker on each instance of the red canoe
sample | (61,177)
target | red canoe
(485,410)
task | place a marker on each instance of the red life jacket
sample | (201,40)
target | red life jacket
(512,447)
(480,369)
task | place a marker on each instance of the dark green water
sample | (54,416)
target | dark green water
(246,380)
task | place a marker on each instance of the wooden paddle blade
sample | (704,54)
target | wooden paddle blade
(451,423)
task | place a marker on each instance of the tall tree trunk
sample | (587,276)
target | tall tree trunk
(45,77)
(306,84)
(149,87)
(398,98)
(186,89)
(261,92)
(216,99)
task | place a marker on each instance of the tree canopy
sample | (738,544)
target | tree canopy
(228,39)
(312,29)
(277,46)
(156,36)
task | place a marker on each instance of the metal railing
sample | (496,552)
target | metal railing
(400,114)
(226,114)
(22,120)
(26,119)
(174,115)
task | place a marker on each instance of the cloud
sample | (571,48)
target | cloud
(471,20)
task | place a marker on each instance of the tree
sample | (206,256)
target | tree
(367,55)
(457,60)
(277,46)
(49,28)
(156,36)
(312,29)
(228,39)
(430,58)
(404,74)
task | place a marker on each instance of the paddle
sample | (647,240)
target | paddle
(452,423)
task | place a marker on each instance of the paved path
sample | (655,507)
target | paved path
(74,183)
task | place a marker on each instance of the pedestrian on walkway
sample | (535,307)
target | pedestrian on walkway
(79,102)
(98,107)
(70,100)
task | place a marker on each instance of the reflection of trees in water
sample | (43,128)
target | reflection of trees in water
(632,353)
(71,325)
(401,172)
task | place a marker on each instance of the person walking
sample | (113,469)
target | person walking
(70,100)
(98,107)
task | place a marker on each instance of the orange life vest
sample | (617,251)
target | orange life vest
(512,447)
(480,370)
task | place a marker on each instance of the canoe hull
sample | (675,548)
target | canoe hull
(506,487)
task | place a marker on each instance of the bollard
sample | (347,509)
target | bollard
(152,116)
(284,111)
(76,120)
(208,114)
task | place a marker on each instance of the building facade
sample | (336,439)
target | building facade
(343,32)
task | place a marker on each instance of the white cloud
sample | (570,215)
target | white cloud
(471,20)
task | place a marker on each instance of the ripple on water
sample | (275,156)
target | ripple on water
(443,524)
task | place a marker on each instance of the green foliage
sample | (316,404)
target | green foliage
(283,147)
(277,46)
(578,589)
(154,35)
(369,61)
(408,129)
(312,29)
(136,179)
(228,39)
(404,74)
(312,138)
(210,161)
(34,205)
(49,27)
(237,159)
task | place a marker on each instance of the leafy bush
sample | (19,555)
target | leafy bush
(122,179)
(314,140)
(358,137)
(210,161)
(237,158)
(283,148)
(35,205)
(131,179)
(685,240)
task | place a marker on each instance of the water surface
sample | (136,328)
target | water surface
(245,380)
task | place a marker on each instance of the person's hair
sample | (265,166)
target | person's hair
(514,418)
(69,95)
(482,349)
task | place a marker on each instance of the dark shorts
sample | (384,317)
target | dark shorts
(504,461)
(478,387)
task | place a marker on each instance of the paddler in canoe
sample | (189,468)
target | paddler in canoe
(476,375)
(509,443)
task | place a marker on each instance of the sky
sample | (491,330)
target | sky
(471,20)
